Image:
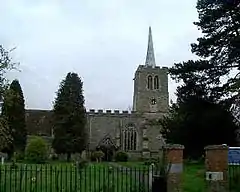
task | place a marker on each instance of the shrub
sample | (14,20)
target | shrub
(18,157)
(121,156)
(150,161)
(36,150)
(54,157)
(97,156)
(81,164)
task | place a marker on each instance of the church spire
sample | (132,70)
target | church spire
(150,59)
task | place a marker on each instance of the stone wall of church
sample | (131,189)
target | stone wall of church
(102,123)
(153,136)
(39,122)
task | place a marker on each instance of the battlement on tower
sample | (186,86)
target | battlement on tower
(150,67)
(109,112)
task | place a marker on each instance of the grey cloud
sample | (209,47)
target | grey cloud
(103,41)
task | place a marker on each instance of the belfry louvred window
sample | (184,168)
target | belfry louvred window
(150,82)
(156,82)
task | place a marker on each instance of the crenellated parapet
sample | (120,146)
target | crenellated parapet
(143,67)
(109,112)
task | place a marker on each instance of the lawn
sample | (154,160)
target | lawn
(193,178)
(193,175)
(66,177)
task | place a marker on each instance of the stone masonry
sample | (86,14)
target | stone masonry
(129,131)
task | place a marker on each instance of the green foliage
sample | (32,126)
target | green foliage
(97,156)
(197,123)
(121,156)
(150,161)
(37,150)
(81,164)
(5,136)
(14,111)
(6,65)
(54,157)
(69,117)
(19,156)
(218,48)
(201,115)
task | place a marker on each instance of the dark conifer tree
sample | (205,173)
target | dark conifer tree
(14,111)
(218,48)
(196,122)
(69,117)
(201,115)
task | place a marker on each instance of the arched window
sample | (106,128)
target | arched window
(156,82)
(150,82)
(129,138)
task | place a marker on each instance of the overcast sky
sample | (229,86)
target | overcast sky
(103,41)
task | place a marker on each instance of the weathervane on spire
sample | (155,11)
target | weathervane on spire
(150,59)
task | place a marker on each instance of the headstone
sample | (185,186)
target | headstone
(2,160)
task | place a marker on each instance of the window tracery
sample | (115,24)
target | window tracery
(129,138)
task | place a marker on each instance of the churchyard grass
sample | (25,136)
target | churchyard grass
(193,175)
(133,164)
(66,177)
(93,177)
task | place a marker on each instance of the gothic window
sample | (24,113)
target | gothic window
(129,138)
(156,82)
(150,82)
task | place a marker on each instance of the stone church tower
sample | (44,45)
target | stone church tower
(150,85)
(122,130)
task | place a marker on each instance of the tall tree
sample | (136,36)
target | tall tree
(196,123)
(201,115)
(218,48)
(69,117)
(13,110)
(6,64)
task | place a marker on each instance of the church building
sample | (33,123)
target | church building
(128,131)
